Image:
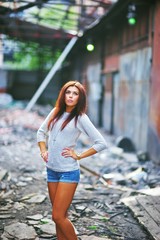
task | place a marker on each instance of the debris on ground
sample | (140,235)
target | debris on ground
(113,198)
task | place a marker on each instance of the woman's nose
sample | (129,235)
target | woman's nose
(71,95)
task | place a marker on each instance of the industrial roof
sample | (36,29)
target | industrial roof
(47,21)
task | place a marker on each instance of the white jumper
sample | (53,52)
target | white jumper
(59,139)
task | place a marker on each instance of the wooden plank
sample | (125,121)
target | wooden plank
(150,208)
(156,202)
(143,217)
(151,191)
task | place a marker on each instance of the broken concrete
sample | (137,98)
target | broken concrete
(19,231)
(97,210)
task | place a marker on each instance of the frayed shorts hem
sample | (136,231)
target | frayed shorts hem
(62,181)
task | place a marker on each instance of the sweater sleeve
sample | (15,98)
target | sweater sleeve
(86,126)
(42,133)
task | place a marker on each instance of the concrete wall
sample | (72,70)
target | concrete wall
(94,90)
(132,96)
(127,96)
(110,75)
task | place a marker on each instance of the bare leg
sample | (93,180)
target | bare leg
(52,192)
(61,195)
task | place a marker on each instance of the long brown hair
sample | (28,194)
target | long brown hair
(60,105)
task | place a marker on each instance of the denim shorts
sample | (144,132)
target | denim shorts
(68,177)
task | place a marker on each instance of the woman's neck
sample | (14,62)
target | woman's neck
(69,109)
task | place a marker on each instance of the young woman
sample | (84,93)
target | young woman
(62,127)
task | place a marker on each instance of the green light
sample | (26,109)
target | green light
(132,21)
(90,47)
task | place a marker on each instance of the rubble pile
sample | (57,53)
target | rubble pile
(97,211)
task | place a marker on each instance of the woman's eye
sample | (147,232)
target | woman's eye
(73,93)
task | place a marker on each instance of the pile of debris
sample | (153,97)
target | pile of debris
(115,194)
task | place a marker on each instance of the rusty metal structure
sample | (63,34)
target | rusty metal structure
(51,23)
(48,21)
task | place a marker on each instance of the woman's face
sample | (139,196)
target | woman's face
(71,97)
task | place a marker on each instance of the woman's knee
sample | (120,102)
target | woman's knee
(57,217)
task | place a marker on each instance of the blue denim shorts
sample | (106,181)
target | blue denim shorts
(68,177)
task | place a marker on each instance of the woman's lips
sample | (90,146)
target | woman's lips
(70,101)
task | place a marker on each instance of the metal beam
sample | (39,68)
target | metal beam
(50,75)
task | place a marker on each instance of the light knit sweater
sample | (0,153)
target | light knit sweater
(59,139)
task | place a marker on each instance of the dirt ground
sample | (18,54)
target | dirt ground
(96,209)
